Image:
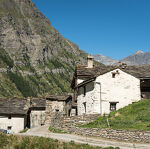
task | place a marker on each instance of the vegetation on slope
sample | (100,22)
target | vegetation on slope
(5,59)
(14,142)
(52,129)
(133,117)
(15,84)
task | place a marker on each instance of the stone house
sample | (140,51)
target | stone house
(57,105)
(102,89)
(19,113)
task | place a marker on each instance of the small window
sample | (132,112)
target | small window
(9,127)
(84,103)
(113,75)
(9,117)
(84,88)
(113,106)
(57,110)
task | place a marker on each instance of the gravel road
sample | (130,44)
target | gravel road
(43,132)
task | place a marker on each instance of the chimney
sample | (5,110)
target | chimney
(90,61)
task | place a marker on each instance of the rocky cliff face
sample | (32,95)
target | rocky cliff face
(29,37)
(35,60)
(139,58)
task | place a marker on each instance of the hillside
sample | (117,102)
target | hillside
(35,60)
(132,117)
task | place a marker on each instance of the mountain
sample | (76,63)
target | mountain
(139,58)
(35,60)
(104,59)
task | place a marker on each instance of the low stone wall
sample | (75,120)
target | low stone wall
(68,122)
(120,135)
(70,125)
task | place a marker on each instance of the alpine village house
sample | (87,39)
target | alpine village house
(97,90)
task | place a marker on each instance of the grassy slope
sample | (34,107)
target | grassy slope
(133,117)
(13,142)
(14,84)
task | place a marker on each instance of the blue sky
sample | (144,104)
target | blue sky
(115,28)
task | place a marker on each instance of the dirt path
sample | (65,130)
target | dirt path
(43,131)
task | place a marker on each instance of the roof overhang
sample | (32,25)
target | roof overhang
(59,98)
(86,82)
(144,78)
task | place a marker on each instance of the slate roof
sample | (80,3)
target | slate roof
(59,98)
(20,106)
(13,106)
(37,102)
(137,71)
(82,72)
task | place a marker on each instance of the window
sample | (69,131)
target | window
(113,106)
(9,117)
(9,127)
(113,75)
(57,110)
(84,103)
(84,88)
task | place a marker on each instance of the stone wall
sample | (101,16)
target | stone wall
(120,135)
(58,106)
(68,122)
(70,125)
(52,109)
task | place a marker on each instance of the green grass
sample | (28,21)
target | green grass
(133,117)
(5,59)
(51,129)
(22,84)
(25,130)
(15,84)
(16,142)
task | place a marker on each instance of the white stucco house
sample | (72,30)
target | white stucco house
(18,113)
(13,114)
(100,90)
(107,92)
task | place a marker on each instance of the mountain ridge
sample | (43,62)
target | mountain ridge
(104,59)
(139,58)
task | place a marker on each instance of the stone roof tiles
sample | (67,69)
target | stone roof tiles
(137,71)
(59,98)
(82,72)
(15,106)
